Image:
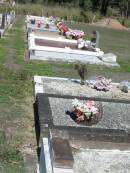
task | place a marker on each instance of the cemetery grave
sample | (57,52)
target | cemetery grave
(54,97)
(65,44)
(40,24)
(6,19)
(66,86)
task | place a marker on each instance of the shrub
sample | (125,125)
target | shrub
(64,12)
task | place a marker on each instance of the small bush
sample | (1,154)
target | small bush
(124,21)
(75,14)
(127,23)
(112,12)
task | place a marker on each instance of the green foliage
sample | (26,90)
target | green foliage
(76,14)
(2,137)
(124,21)
(105,7)
(113,12)
(85,4)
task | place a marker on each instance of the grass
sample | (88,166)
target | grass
(11,161)
(110,41)
(11,93)
(16,117)
(115,41)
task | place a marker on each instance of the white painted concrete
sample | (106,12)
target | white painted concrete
(109,57)
(46,165)
(64,54)
(41,49)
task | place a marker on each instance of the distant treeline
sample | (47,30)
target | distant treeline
(120,7)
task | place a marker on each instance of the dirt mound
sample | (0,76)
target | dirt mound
(110,23)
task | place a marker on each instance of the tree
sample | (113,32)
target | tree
(104,6)
(124,7)
(95,4)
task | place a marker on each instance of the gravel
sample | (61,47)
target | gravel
(69,87)
(115,115)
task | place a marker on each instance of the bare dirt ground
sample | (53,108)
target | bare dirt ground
(29,147)
(110,23)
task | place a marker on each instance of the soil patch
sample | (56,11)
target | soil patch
(110,23)
(29,147)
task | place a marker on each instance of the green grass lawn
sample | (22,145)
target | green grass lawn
(16,116)
(115,41)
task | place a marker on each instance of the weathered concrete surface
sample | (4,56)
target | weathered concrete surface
(109,58)
(99,161)
(71,87)
(115,115)
(91,155)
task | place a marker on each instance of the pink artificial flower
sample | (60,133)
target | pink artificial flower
(78,113)
(89,104)
(81,118)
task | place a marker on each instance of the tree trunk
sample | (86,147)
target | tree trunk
(95,4)
(104,7)
(127,9)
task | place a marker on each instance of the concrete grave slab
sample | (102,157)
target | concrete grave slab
(66,86)
(114,125)
(86,160)
(100,148)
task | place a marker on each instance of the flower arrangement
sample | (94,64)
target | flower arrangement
(32,21)
(62,27)
(47,26)
(54,19)
(74,34)
(100,83)
(39,23)
(84,110)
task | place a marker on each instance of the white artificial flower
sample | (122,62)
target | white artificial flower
(86,108)
(75,102)
(94,110)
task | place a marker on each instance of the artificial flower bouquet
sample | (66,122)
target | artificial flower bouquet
(54,19)
(100,83)
(74,34)
(62,27)
(84,111)
(47,26)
